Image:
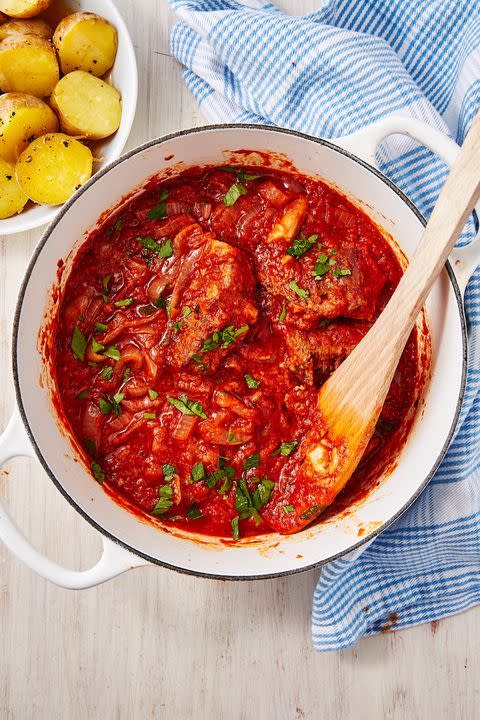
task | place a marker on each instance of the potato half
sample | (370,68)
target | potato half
(87,106)
(37,27)
(12,197)
(52,167)
(22,119)
(28,64)
(24,8)
(85,41)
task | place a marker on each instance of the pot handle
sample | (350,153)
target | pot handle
(114,560)
(364,144)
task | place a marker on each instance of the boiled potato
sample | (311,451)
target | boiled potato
(52,167)
(22,119)
(12,197)
(86,105)
(37,27)
(86,41)
(28,64)
(23,8)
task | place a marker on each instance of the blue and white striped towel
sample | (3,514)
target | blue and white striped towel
(330,73)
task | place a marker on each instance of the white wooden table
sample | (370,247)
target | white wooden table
(157,644)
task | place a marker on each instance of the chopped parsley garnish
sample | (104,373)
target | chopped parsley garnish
(186,406)
(283,313)
(193,512)
(159,211)
(251,382)
(106,283)
(163,250)
(112,352)
(118,224)
(235,529)
(244,503)
(164,503)
(223,472)
(301,245)
(169,471)
(149,416)
(107,373)
(287,509)
(147,310)
(152,394)
(241,174)
(82,395)
(97,347)
(234,193)
(285,448)
(186,311)
(341,272)
(314,510)
(126,375)
(323,265)
(79,343)
(90,446)
(98,472)
(124,303)
(262,493)
(198,472)
(177,326)
(160,302)
(111,404)
(100,327)
(251,462)
(223,338)
(301,292)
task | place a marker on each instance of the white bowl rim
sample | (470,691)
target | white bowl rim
(15,350)
(121,136)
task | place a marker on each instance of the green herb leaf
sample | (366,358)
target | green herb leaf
(106,283)
(159,211)
(287,509)
(311,512)
(177,326)
(251,462)
(82,395)
(107,372)
(198,472)
(341,272)
(164,503)
(323,265)
(169,471)
(126,375)
(235,529)
(90,446)
(97,347)
(193,512)
(146,310)
(234,193)
(186,406)
(285,448)
(186,311)
(251,382)
(118,225)
(160,302)
(98,472)
(112,352)
(79,343)
(149,416)
(124,303)
(301,245)
(105,406)
(163,250)
(301,292)
(283,314)
(100,327)
(223,338)
(241,174)
(153,394)
(262,493)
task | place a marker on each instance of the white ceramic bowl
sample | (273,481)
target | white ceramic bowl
(136,542)
(124,78)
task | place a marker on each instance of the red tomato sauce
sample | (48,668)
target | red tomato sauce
(194,331)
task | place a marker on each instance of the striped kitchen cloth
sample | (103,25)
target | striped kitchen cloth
(328,74)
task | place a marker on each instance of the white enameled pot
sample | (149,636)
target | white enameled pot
(128,541)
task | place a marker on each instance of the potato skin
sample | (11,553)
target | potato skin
(12,197)
(24,8)
(19,56)
(52,167)
(36,26)
(22,119)
(85,41)
(87,106)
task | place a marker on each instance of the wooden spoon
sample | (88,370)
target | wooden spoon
(350,402)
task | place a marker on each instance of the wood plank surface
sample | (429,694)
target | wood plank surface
(157,644)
